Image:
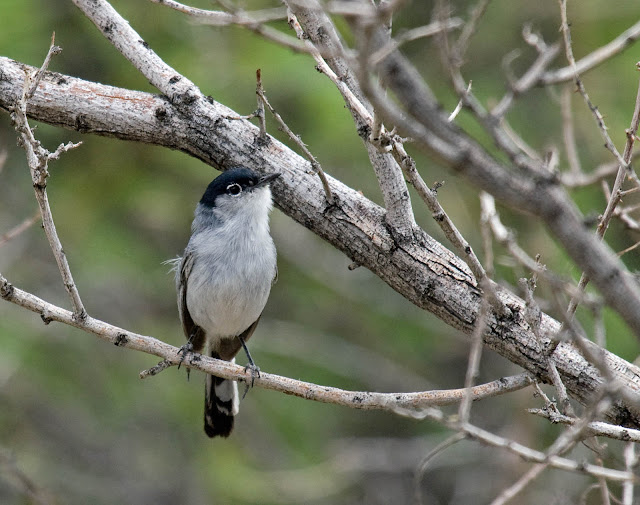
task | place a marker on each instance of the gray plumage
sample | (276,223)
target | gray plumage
(224,278)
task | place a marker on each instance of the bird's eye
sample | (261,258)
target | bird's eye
(234,189)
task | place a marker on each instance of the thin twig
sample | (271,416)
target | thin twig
(156,369)
(463,249)
(38,159)
(520,450)
(368,12)
(593,59)
(530,78)
(475,353)
(322,33)
(317,168)
(602,127)
(414,34)
(600,173)
(568,132)
(253,21)
(513,490)
(222,18)
(619,253)
(19,228)
(260,110)
(491,124)
(630,462)
(461,45)
(426,461)
(506,237)
(532,316)
(458,108)
(594,428)
(53,50)
(562,444)
(615,198)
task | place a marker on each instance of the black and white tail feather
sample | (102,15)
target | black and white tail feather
(220,404)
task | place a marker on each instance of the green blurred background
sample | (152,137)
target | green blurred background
(75,417)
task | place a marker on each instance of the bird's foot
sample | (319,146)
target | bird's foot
(187,349)
(255,372)
(183,351)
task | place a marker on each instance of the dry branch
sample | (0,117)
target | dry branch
(392,402)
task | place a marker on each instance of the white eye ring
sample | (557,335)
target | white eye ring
(234,189)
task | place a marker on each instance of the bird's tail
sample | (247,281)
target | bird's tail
(220,405)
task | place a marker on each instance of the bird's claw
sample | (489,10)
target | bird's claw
(255,372)
(183,351)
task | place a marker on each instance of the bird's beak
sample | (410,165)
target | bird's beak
(266,179)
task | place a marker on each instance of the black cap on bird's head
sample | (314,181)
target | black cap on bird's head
(234,182)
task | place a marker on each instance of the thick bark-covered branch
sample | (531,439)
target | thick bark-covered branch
(422,270)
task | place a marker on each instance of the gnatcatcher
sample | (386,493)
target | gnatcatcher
(224,278)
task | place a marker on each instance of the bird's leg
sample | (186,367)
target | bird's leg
(255,370)
(184,350)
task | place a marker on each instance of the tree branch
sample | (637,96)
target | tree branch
(593,59)
(391,402)
(38,160)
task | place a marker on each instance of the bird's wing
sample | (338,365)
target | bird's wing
(192,331)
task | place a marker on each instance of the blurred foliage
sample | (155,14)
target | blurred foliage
(83,426)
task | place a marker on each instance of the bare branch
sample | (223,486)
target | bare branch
(20,228)
(594,428)
(392,402)
(602,127)
(426,461)
(475,353)
(562,444)
(317,168)
(461,45)
(414,34)
(568,133)
(533,315)
(630,462)
(528,80)
(458,108)
(601,172)
(38,159)
(592,60)
(53,50)
(624,170)
(520,450)
(260,111)
(222,18)
(253,21)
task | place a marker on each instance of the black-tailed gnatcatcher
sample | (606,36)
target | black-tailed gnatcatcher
(224,278)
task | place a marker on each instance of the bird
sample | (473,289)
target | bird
(223,281)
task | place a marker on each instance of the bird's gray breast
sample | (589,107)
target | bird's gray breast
(231,277)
